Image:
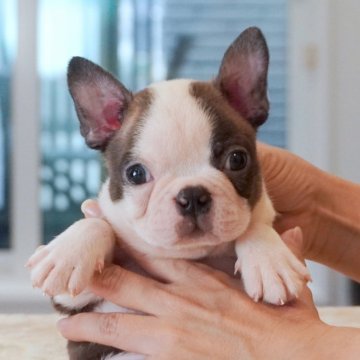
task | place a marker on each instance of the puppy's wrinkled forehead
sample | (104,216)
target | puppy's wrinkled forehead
(178,125)
(176,131)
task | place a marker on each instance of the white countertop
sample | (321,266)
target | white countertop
(34,337)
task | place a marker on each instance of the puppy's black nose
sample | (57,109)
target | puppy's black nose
(193,201)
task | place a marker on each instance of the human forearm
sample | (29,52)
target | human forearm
(325,207)
(338,225)
(338,343)
(313,340)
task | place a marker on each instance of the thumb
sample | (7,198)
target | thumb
(90,208)
(293,238)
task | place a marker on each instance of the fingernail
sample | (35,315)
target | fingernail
(90,209)
(297,231)
(100,266)
(61,324)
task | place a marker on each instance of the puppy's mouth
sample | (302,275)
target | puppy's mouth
(194,232)
(190,236)
(193,228)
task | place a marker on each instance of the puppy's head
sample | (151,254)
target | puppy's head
(181,154)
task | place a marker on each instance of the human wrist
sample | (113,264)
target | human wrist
(337,343)
(317,340)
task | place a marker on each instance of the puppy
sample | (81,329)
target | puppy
(184,182)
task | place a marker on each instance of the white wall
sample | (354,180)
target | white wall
(324,82)
(345,88)
(324,101)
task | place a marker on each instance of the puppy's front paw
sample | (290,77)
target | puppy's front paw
(67,264)
(57,270)
(269,270)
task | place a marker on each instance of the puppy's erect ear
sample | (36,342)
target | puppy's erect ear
(242,76)
(100,101)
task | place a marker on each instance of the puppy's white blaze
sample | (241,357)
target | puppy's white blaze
(174,111)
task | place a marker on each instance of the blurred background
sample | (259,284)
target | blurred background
(45,169)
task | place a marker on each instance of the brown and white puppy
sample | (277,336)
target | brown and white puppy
(184,180)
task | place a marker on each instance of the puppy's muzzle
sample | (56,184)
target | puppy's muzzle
(193,201)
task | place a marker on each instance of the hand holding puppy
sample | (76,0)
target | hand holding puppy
(200,314)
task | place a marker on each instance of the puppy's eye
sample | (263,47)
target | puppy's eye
(236,160)
(137,174)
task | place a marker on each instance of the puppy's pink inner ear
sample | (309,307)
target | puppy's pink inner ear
(103,125)
(111,114)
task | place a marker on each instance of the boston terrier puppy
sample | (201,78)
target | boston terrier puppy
(183,182)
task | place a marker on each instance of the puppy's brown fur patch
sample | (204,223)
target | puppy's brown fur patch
(119,150)
(230,129)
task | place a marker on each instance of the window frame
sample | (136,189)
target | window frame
(25,230)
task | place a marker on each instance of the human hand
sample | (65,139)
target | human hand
(91,209)
(195,313)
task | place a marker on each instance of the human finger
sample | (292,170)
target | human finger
(129,332)
(186,272)
(90,208)
(293,238)
(131,290)
(271,160)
